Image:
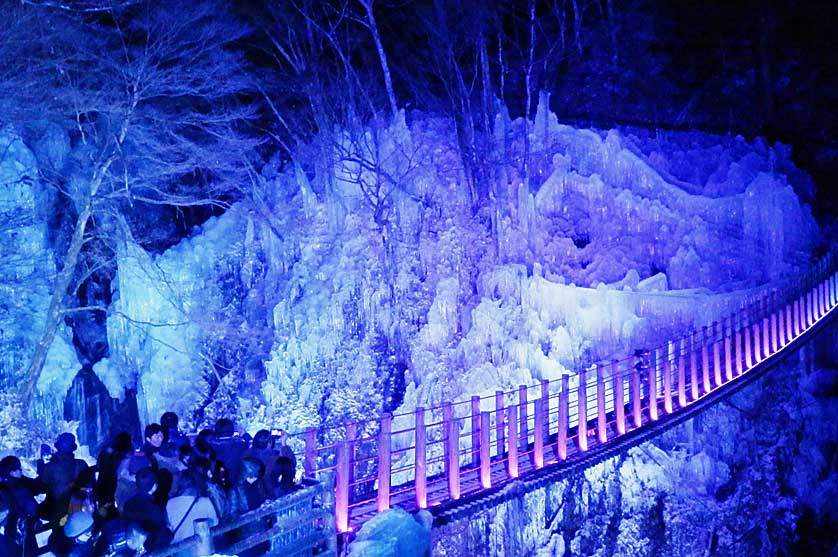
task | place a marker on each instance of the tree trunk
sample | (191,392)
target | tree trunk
(59,293)
(385,67)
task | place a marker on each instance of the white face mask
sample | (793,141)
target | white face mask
(250,479)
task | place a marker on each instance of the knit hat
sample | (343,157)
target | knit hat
(78,523)
(66,443)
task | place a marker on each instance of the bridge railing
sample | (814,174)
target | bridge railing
(441,453)
(297,524)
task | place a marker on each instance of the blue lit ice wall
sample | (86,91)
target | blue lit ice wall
(323,303)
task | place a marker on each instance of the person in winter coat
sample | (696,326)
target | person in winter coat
(282,477)
(173,438)
(108,463)
(228,449)
(11,538)
(22,492)
(248,494)
(143,509)
(58,475)
(189,505)
(121,538)
(79,531)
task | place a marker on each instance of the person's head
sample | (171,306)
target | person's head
(251,469)
(10,467)
(135,537)
(283,473)
(66,443)
(169,422)
(262,439)
(224,427)
(146,480)
(122,443)
(154,435)
(79,527)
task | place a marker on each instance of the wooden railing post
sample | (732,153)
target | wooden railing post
(310,452)
(798,317)
(821,299)
(728,333)
(523,419)
(636,404)
(737,342)
(789,323)
(538,434)
(717,360)
(475,429)
(485,457)
(601,419)
(682,373)
(705,361)
(342,465)
(749,355)
(775,337)
(810,314)
(205,546)
(512,450)
(384,461)
(421,459)
(351,437)
(766,338)
(781,327)
(500,427)
(653,389)
(667,385)
(582,411)
(619,397)
(452,450)
(693,369)
(561,434)
(757,344)
(545,394)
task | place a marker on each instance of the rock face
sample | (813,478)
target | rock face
(26,259)
(755,474)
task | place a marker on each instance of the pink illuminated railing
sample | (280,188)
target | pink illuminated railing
(441,454)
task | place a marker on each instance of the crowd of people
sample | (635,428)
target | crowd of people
(137,500)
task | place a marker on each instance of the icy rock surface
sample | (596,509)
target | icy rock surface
(322,296)
(26,259)
(394,533)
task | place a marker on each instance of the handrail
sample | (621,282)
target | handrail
(301,520)
(466,446)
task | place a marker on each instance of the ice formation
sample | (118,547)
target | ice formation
(375,278)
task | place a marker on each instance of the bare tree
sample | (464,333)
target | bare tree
(149,94)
